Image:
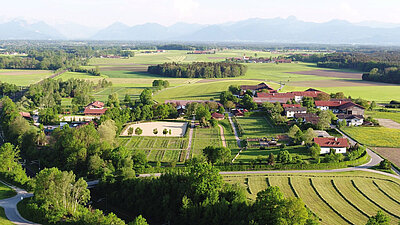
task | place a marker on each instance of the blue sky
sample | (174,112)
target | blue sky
(101,13)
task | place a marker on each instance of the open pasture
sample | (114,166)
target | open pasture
(375,136)
(23,77)
(177,129)
(384,115)
(336,198)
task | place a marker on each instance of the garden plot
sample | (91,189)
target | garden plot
(177,129)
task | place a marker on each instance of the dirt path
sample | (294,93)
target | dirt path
(190,138)
(221,129)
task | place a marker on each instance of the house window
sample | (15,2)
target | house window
(350,112)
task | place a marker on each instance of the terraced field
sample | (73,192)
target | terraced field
(336,198)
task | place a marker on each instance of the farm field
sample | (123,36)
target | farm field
(23,77)
(336,198)
(391,154)
(375,136)
(258,127)
(201,90)
(203,137)
(172,149)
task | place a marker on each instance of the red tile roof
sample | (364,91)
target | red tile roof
(94,111)
(290,105)
(350,104)
(25,114)
(217,115)
(332,142)
(330,103)
(96,104)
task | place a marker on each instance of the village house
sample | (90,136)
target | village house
(351,120)
(217,116)
(339,145)
(306,118)
(95,109)
(26,115)
(297,96)
(291,111)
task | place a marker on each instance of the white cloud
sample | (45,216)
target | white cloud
(185,8)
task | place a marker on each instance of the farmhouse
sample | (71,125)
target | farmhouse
(95,109)
(285,97)
(330,105)
(290,111)
(256,88)
(327,143)
(351,108)
(351,120)
(218,116)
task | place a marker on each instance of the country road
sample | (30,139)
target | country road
(221,131)
(10,206)
(190,138)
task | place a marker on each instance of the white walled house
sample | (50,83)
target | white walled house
(340,145)
(291,111)
(351,120)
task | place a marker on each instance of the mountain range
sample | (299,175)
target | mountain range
(275,30)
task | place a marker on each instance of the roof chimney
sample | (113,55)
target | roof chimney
(335,138)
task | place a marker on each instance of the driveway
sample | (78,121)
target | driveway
(10,206)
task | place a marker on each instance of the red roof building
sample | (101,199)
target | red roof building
(327,143)
(218,116)
(290,105)
(96,104)
(94,111)
(25,115)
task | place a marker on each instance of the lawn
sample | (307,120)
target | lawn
(23,77)
(331,196)
(204,137)
(258,127)
(75,75)
(375,136)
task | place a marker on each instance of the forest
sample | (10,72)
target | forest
(199,70)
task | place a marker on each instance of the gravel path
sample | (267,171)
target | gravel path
(190,138)
(221,129)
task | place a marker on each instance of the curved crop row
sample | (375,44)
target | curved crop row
(383,209)
(329,205)
(380,189)
(347,200)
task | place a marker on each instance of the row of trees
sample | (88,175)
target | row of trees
(199,70)
(387,75)
(49,92)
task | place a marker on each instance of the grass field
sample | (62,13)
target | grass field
(253,153)
(258,127)
(6,192)
(204,137)
(336,198)
(375,136)
(23,77)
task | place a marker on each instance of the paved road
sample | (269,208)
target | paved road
(10,206)
(221,129)
(190,137)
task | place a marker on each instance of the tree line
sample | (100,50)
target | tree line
(199,70)
(380,66)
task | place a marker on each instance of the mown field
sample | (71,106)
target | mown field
(23,77)
(375,136)
(391,154)
(336,198)
(258,127)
